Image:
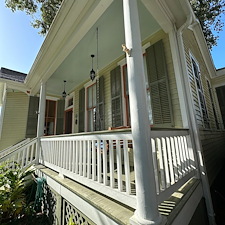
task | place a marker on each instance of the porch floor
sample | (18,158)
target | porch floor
(116,211)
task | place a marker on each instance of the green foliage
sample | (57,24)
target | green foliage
(42,11)
(209,14)
(71,221)
(13,185)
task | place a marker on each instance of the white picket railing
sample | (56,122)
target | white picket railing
(23,155)
(104,161)
(13,147)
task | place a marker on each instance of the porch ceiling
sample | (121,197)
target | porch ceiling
(77,65)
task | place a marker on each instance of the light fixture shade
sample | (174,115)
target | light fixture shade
(92,74)
(64,94)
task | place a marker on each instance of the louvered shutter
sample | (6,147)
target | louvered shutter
(32,118)
(116,97)
(81,109)
(100,104)
(60,116)
(158,83)
(220,91)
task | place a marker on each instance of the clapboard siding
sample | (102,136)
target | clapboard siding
(105,72)
(190,45)
(14,124)
(213,144)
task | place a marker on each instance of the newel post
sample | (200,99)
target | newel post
(147,206)
(41,118)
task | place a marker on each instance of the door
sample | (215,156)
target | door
(68,121)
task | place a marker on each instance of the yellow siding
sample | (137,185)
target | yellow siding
(15,119)
(213,143)
(1,92)
(107,94)
(191,45)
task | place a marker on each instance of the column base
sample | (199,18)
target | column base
(135,220)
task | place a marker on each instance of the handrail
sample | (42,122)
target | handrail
(104,160)
(24,155)
(13,147)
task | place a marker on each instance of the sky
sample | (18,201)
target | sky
(20,42)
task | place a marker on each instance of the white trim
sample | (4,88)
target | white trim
(85,207)
(192,58)
(66,36)
(86,86)
(186,213)
(144,47)
(2,109)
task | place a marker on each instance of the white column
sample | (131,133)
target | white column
(41,118)
(147,205)
(41,111)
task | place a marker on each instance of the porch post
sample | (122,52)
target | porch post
(147,205)
(41,117)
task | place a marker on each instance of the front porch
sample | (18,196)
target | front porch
(103,162)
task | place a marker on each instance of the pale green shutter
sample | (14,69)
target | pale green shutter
(158,83)
(60,116)
(220,91)
(116,97)
(100,104)
(81,110)
(32,118)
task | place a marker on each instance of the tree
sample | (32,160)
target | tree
(42,11)
(209,14)
(207,11)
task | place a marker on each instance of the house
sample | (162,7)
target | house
(143,133)
(19,110)
(218,85)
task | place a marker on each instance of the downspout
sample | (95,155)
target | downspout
(194,130)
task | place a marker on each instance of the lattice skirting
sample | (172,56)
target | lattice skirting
(69,211)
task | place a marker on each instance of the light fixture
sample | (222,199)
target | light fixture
(64,92)
(92,72)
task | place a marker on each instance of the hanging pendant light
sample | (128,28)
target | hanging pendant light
(92,72)
(64,92)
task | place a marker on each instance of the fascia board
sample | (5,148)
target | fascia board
(15,85)
(220,72)
(62,38)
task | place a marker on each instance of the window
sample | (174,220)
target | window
(91,107)
(213,106)
(50,117)
(126,94)
(200,94)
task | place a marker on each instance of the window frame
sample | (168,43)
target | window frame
(89,85)
(200,90)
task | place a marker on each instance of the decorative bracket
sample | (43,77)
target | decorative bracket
(127,50)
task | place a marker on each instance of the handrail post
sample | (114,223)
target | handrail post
(41,118)
(147,204)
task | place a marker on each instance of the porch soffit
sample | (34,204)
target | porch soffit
(65,54)
(72,22)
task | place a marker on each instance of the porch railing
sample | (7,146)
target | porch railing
(24,154)
(13,147)
(105,161)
